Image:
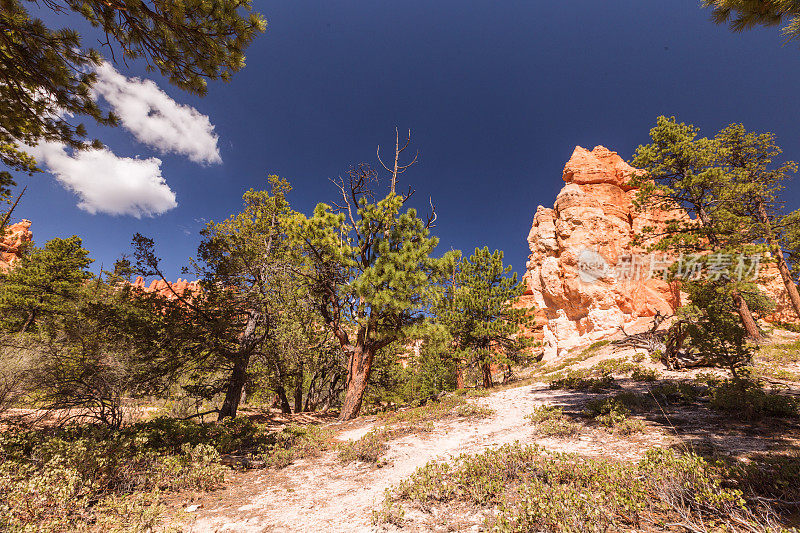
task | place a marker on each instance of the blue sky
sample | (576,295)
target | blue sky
(497,95)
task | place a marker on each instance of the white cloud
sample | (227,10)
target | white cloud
(107,183)
(157,120)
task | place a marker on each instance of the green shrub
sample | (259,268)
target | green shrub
(367,449)
(63,478)
(577,380)
(613,366)
(561,427)
(596,346)
(675,392)
(541,413)
(551,422)
(536,490)
(57,479)
(748,400)
(644,374)
(607,411)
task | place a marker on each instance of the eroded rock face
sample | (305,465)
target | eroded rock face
(580,274)
(16,235)
(162,288)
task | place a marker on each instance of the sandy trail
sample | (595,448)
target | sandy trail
(321,494)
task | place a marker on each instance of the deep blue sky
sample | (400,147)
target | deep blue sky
(497,95)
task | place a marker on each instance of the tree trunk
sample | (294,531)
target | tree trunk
(298,392)
(486,370)
(747,317)
(360,366)
(233,394)
(286,408)
(459,375)
(783,268)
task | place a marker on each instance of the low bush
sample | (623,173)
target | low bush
(577,380)
(551,422)
(614,412)
(367,449)
(644,374)
(61,479)
(613,366)
(530,489)
(676,392)
(748,400)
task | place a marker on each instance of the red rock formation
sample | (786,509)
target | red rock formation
(10,243)
(580,274)
(162,288)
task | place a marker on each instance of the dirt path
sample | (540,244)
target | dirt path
(323,495)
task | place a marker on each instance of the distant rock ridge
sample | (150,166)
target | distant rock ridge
(580,255)
(162,288)
(18,234)
(12,241)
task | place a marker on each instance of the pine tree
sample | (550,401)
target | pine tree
(246,267)
(372,274)
(477,308)
(747,159)
(743,15)
(48,75)
(44,283)
(682,172)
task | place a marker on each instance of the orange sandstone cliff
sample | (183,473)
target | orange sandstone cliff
(579,271)
(11,242)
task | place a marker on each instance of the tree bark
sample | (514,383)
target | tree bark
(747,317)
(459,375)
(486,370)
(233,394)
(742,309)
(286,408)
(783,268)
(298,391)
(360,366)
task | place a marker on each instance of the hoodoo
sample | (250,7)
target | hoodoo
(584,276)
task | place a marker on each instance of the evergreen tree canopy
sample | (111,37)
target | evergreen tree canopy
(743,15)
(44,283)
(372,273)
(46,75)
(477,308)
(728,186)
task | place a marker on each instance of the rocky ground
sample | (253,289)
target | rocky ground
(322,494)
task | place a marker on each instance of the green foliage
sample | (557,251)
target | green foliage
(748,400)
(535,490)
(580,380)
(675,392)
(596,345)
(644,374)
(253,322)
(613,366)
(614,412)
(714,330)
(477,308)
(741,15)
(294,442)
(371,272)
(367,449)
(61,479)
(49,74)
(65,479)
(729,187)
(43,284)
(551,422)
